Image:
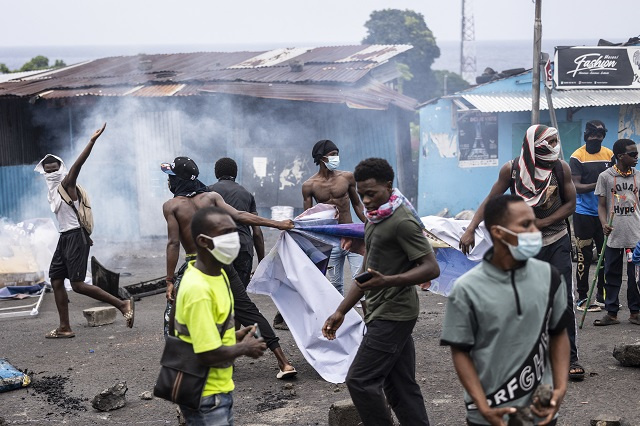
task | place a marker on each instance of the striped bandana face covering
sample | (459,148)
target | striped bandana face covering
(535,164)
(388,208)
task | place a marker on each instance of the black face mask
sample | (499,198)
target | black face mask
(593,146)
(185,188)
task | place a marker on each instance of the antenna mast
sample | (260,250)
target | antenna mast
(467,43)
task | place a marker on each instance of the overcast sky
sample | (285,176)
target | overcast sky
(299,22)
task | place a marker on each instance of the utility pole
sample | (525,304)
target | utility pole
(537,48)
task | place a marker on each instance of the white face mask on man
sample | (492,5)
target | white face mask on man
(225,247)
(529,244)
(333,162)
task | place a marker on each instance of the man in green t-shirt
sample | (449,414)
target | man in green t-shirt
(204,315)
(398,256)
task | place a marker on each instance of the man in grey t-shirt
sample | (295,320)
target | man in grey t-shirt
(617,191)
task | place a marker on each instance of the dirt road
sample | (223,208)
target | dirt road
(69,372)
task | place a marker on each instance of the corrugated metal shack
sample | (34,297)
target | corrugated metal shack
(467,136)
(264,109)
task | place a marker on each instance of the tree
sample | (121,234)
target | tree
(38,63)
(4,69)
(455,83)
(59,64)
(393,26)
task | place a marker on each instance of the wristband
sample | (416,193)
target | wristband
(170,280)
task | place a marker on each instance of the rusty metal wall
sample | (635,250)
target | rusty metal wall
(17,136)
(23,194)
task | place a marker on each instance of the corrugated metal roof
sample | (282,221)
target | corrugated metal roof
(370,95)
(328,69)
(521,101)
(18,75)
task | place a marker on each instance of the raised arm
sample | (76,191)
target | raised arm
(467,241)
(173,247)
(355,199)
(569,203)
(247,218)
(69,181)
(307,195)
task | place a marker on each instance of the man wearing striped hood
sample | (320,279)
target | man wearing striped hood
(543,180)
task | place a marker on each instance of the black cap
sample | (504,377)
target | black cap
(183,167)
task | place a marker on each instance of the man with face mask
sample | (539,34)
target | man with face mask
(543,180)
(190,195)
(332,186)
(587,162)
(617,191)
(70,258)
(506,321)
(204,315)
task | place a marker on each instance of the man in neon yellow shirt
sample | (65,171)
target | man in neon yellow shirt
(204,315)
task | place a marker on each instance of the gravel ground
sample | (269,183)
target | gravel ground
(68,373)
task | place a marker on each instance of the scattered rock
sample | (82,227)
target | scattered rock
(522,417)
(628,355)
(101,315)
(544,393)
(605,421)
(288,386)
(344,413)
(146,395)
(111,399)
(3,422)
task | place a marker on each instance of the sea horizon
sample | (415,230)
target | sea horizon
(497,54)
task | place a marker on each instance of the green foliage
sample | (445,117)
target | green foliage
(4,69)
(59,64)
(393,26)
(455,82)
(38,63)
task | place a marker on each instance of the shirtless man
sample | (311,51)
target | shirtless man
(332,186)
(189,196)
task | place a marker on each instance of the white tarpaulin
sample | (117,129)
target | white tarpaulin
(305,298)
(450,230)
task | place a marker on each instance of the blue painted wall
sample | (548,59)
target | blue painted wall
(443,184)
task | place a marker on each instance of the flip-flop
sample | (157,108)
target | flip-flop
(606,320)
(576,376)
(55,334)
(130,315)
(286,374)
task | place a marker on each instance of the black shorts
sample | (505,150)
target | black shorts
(70,257)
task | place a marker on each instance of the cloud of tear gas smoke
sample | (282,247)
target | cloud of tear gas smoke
(122,175)
(26,247)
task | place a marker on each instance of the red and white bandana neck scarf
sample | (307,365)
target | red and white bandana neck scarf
(535,164)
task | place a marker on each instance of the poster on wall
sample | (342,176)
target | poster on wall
(597,67)
(477,139)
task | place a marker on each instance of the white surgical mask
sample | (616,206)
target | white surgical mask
(529,244)
(225,247)
(333,162)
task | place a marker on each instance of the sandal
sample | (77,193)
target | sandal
(576,372)
(606,320)
(56,334)
(130,315)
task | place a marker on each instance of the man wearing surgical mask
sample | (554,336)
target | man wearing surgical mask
(204,315)
(333,186)
(190,196)
(543,180)
(518,325)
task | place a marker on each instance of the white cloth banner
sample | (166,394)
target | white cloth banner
(305,298)
(450,231)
